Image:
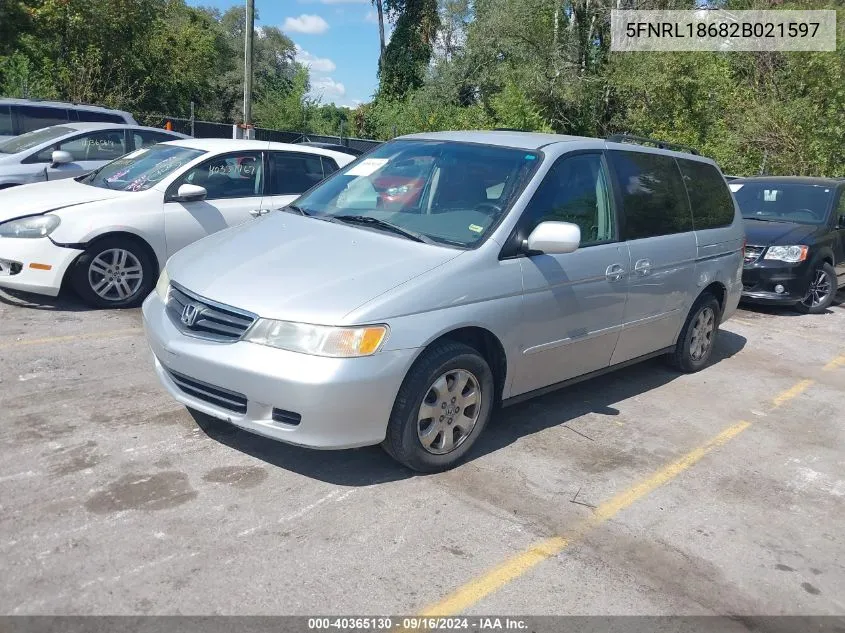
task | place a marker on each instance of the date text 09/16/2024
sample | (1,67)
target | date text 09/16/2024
(419,623)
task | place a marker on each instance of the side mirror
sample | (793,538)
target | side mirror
(553,238)
(60,157)
(190,193)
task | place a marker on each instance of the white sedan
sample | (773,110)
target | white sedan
(110,232)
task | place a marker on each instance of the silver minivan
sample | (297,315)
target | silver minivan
(403,299)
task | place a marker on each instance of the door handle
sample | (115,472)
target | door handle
(614,272)
(643,267)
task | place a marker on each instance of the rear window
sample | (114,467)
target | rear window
(710,198)
(91,116)
(654,199)
(37,117)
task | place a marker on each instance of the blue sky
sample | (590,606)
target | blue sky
(337,39)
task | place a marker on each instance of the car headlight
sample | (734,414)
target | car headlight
(33,226)
(163,285)
(790,254)
(318,340)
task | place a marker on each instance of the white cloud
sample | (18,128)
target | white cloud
(327,88)
(314,63)
(311,24)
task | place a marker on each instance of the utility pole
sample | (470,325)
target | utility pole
(249,30)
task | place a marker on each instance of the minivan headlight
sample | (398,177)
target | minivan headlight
(318,340)
(163,285)
(31,227)
(789,254)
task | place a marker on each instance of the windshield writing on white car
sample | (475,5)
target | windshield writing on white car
(141,169)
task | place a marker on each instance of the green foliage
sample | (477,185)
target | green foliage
(407,55)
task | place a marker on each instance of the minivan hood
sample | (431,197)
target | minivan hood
(294,268)
(42,197)
(763,233)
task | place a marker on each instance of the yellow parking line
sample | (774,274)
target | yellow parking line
(75,337)
(795,390)
(520,564)
(836,362)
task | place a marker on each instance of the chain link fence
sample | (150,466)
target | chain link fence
(211,129)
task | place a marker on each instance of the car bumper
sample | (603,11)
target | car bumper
(759,281)
(34,265)
(341,403)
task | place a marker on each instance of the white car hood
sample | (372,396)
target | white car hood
(42,197)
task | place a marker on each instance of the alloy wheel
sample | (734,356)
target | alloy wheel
(702,334)
(449,411)
(115,274)
(819,290)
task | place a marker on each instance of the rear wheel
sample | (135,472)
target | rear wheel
(442,407)
(114,272)
(821,292)
(698,336)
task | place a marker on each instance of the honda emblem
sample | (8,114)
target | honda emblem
(190,313)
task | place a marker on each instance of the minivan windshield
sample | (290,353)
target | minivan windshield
(33,139)
(434,191)
(141,169)
(783,202)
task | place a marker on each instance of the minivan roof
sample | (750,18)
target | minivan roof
(505,138)
(59,104)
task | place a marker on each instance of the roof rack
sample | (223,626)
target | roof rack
(643,140)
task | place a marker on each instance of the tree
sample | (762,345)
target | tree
(380,10)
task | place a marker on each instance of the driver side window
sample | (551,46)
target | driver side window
(575,190)
(238,175)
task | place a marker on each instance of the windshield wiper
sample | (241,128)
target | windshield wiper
(376,222)
(295,209)
(751,217)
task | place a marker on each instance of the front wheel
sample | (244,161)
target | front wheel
(698,336)
(821,292)
(442,406)
(114,273)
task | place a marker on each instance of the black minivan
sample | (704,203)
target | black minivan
(795,231)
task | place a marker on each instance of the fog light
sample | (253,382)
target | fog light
(779,289)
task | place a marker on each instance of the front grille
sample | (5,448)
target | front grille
(207,319)
(286,417)
(229,400)
(753,253)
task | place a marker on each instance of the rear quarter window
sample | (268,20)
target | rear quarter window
(710,198)
(90,116)
(654,200)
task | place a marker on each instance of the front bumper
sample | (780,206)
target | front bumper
(343,402)
(760,278)
(50,261)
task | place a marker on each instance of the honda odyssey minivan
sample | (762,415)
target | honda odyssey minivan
(521,263)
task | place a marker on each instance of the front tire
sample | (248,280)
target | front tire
(442,407)
(114,272)
(698,336)
(821,292)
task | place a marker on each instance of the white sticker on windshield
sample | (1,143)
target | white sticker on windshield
(367,166)
(735,188)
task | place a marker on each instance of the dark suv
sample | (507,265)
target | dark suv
(795,231)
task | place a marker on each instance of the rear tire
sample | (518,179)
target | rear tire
(114,272)
(821,292)
(698,336)
(442,407)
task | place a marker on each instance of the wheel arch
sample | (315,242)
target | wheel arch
(119,234)
(718,290)
(486,343)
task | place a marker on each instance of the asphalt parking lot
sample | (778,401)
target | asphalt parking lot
(641,492)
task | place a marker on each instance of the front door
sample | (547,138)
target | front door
(574,302)
(89,151)
(839,239)
(234,183)
(662,245)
